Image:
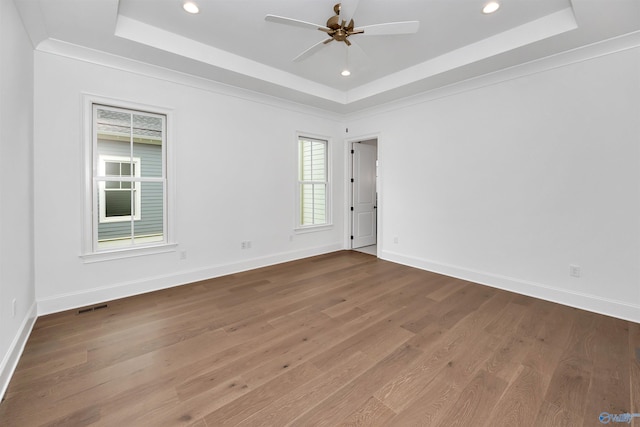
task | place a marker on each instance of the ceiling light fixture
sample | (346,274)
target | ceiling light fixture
(190,7)
(490,7)
(345,72)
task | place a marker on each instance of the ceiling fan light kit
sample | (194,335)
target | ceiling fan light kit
(341,26)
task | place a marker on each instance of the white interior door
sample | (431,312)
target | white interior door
(364,222)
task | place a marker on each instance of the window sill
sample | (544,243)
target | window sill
(313,228)
(128,253)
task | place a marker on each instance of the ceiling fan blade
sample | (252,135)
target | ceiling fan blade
(295,22)
(313,49)
(390,28)
(347,10)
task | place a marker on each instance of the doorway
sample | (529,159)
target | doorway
(364,196)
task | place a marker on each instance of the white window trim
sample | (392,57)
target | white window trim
(102,159)
(88,252)
(298,227)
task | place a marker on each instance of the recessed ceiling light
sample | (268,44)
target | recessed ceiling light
(191,7)
(490,7)
(345,73)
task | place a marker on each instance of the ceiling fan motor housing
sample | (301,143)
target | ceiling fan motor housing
(340,30)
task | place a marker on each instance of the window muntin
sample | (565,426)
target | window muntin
(129,155)
(313,182)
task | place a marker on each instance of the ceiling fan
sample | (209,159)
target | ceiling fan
(341,26)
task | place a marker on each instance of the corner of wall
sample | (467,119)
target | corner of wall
(11,358)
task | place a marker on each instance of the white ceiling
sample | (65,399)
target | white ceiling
(230,42)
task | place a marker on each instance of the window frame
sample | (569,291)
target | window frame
(299,227)
(91,215)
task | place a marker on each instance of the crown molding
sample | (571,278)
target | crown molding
(108,60)
(573,56)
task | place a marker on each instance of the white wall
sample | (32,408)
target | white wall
(235,177)
(511,183)
(16,189)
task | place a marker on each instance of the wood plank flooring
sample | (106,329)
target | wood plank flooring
(339,339)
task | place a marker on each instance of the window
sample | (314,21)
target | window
(115,196)
(129,183)
(313,182)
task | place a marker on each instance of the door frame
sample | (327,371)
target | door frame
(349,190)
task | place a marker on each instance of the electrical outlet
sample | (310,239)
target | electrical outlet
(395,239)
(245,245)
(574,271)
(183,254)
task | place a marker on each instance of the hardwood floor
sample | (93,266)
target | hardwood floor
(338,339)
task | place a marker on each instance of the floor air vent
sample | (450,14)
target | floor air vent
(90,309)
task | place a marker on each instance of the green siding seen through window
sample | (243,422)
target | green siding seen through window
(313,181)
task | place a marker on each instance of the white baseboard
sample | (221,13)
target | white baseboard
(93,296)
(609,307)
(11,358)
